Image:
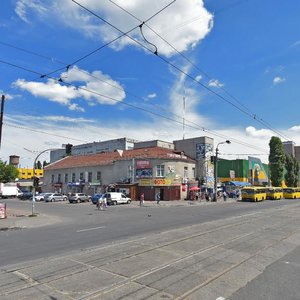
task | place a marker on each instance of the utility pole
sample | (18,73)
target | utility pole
(1,117)
(216,170)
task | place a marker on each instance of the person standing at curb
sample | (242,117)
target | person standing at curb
(157,197)
(142,198)
(224,195)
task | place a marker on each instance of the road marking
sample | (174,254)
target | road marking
(88,229)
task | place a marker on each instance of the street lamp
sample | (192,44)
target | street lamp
(33,179)
(216,168)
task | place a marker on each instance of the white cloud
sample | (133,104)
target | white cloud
(198,78)
(295,128)
(190,17)
(8,96)
(151,96)
(278,80)
(97,87)
(23,7)
(261,133)
(215,83)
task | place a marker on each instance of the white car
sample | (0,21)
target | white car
(52,197)
(41,196)
(114,198)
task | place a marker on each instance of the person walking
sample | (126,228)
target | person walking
(157,197)
(142,198)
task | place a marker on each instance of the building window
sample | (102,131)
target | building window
(194,173)
(81,176)
(52,178)
(185,172)
(90,176)
(66,178)
(99,176)
(59,178)
(73,177)
(160,171)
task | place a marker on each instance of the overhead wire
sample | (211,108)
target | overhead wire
(251,114)
(124,33)
(141,109)
(197,125)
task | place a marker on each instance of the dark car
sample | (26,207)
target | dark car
(96,197)
(26,195)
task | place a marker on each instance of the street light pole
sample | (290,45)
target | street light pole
(33,181)
(216,168)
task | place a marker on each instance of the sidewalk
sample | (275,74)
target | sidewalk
(17,219)
(171,203)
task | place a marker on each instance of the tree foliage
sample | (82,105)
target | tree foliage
(8,172)
(296,170)
(38,165)
(45,164)
(290,174)
(276,161)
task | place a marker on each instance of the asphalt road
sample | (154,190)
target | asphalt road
(75,227)
(212,251)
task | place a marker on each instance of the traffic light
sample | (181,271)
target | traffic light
(36,181)
(69,149)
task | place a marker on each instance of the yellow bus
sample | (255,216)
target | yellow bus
(274,193)
(291,193)
(254,193)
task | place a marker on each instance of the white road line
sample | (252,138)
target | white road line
(88,229)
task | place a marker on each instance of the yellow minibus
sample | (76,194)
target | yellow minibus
(254,193)
(291,193)
(274,193)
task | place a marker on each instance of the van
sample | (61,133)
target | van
(114,198)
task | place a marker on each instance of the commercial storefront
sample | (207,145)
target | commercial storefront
(167,188)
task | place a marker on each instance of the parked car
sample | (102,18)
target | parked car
(41,196)
(79,197)
(26,195)
(114,198)
(52,197)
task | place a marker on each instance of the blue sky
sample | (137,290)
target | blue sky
(238,72)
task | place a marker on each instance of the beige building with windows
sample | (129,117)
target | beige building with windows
(148,169)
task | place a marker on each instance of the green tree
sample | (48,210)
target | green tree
(8,172)
(38,165)
(296,171)
(290,171)
(276,161)
(45,164)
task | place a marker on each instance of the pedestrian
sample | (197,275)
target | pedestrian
(207,196)
(197,195)
(142,198)
(224,195)
(157,197)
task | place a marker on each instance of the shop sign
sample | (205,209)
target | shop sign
(94,183)
(143,164)
(163,181)
(143,173)
(145,182)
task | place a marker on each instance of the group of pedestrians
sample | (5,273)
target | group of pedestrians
(142,198)
(102,203)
